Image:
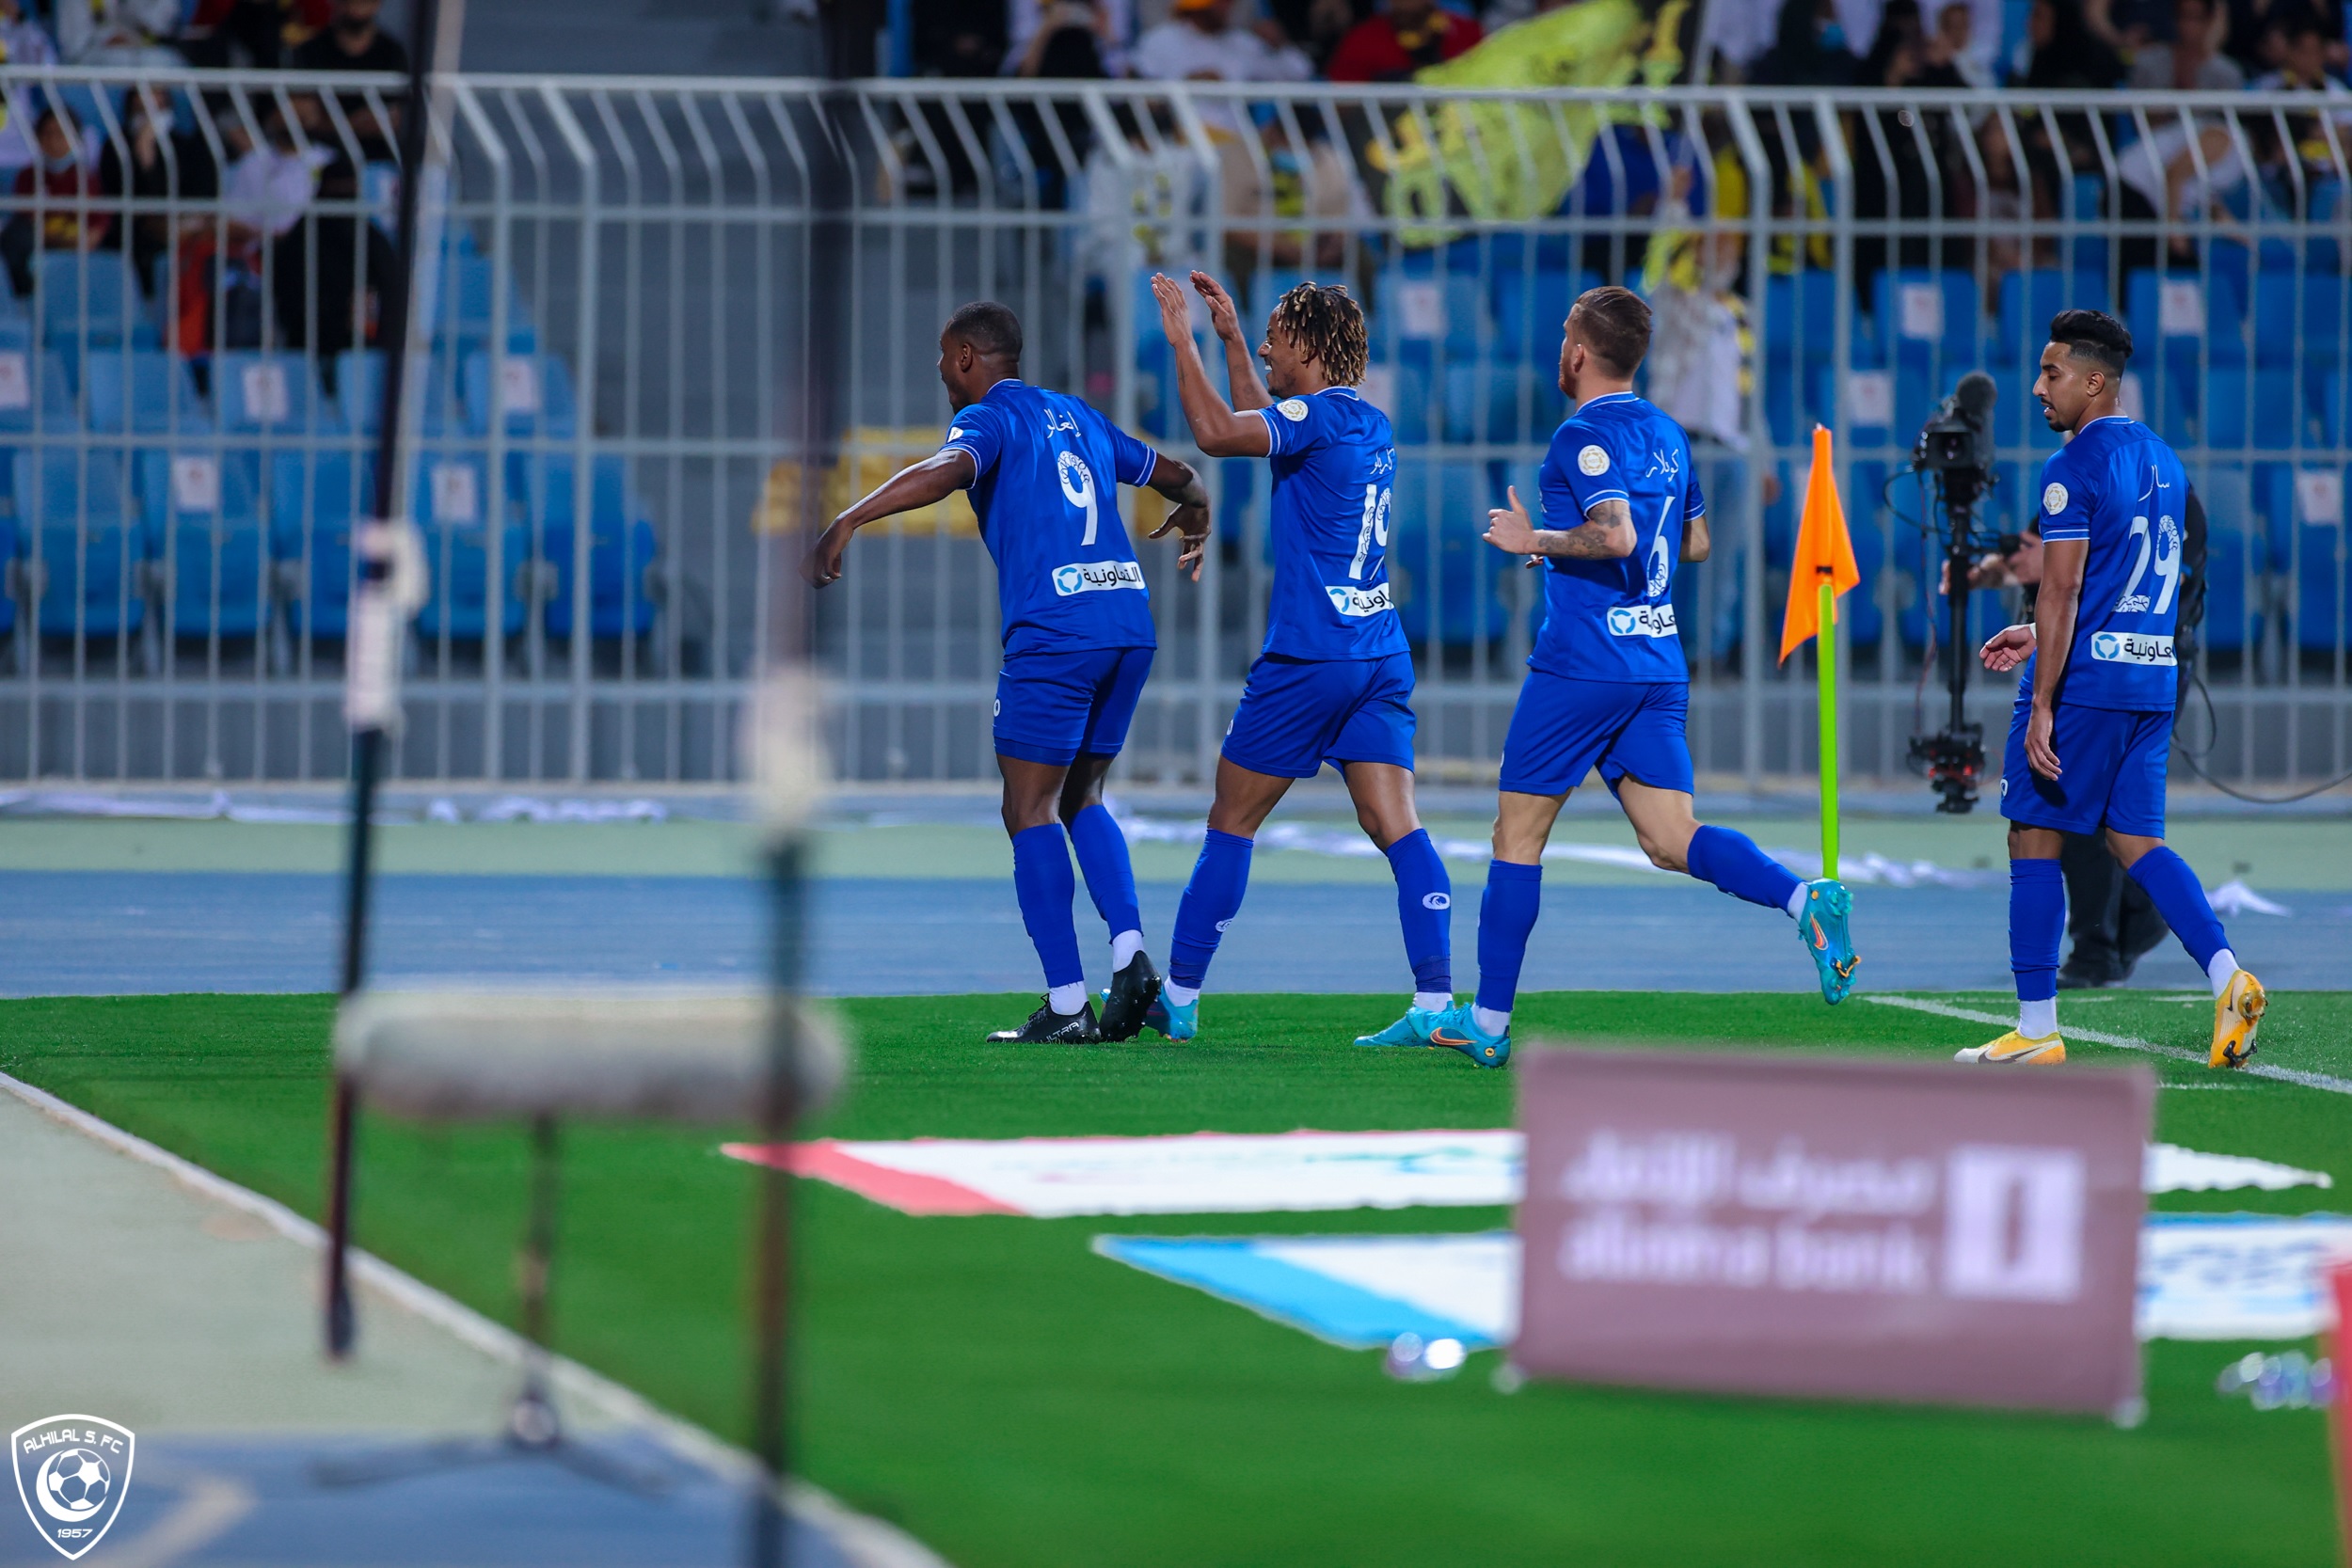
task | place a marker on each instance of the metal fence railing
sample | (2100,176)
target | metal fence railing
(186,374)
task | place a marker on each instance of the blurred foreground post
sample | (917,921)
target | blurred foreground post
(2337,1345)
(389,558)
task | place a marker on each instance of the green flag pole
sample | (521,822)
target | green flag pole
(1825,662)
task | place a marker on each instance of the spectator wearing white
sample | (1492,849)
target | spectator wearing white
(1860,20)
(1199,43)
(2193,63)
(24,40)
(270,186)
(2164,170)
(117,32)
(1951,49)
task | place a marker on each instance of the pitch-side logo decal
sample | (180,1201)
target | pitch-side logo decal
(72,1473)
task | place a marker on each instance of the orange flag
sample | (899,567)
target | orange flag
(1824,549)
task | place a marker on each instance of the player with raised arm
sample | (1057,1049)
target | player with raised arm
(2092,727)
(1043,470)
(1607,687)
(1334,682)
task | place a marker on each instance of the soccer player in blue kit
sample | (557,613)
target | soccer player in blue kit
(1043,470)
(1334,682)
(1607,687)
(2092,727)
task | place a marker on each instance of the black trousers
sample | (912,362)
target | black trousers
(2110,918)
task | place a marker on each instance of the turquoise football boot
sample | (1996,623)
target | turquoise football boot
(1175,1021)
(1412,1029)
(1823,929)
(1456,1029)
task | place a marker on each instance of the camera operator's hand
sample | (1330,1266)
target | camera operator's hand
(2008,648)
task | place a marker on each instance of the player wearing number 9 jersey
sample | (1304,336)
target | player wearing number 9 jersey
(2092,729)
(1043,470)
(1334,683)
(1607,689)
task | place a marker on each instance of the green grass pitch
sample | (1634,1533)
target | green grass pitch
(1020,1402)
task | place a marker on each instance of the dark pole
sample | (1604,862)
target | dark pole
(850,28)
(371,701)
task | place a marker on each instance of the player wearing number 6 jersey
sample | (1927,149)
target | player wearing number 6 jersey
(1043,470)
(2092,727)
(1335,681)
(1607,687)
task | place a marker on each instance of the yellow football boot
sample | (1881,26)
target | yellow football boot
(2015,1050)
(2238,1014)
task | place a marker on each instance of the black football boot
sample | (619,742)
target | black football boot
(1132,991)
(1048,1027)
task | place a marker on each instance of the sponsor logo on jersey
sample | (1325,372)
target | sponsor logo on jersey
(1593,461)
(1358,602)
(955,433)
(2121,647)
(2054,498)
(1641,620)
(1293,409)
(1094,577)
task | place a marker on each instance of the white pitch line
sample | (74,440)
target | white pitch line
(867,1542)
(2129,1042)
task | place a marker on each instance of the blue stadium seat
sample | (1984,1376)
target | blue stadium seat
(2021,324)
(1927,323)
(2271,418)
(143,393)
(2322,601)
(1529,310)
(534,395)
(453,504)
(90,297)
(1503,403)
(359,393)
(26,407)
(621,545)
(74,504)
(2085,201)
(1860,609)
(272,394)
(1411,400)
(2169,363)
(2281,337)
(198,514)
(462,315)
(2227,627)
(1437,512)
(314,499)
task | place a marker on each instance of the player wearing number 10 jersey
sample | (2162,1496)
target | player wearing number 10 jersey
(2093,722)
(1607,687)
(1335,681)
(1043,470)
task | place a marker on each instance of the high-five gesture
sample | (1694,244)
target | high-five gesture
(1224,317)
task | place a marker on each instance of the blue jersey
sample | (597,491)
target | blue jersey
(1046,492)
(1614,620)
(1334,465)
(2118,487)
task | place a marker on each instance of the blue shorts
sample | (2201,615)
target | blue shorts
(2114,772)
(1297,714)
(1563,729)
(1055,706)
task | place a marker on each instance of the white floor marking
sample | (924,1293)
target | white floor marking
(2253,1070)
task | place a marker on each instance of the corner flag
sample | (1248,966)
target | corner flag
(1824,555)
(1824,568)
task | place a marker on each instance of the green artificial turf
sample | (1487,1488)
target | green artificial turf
(1015,1400)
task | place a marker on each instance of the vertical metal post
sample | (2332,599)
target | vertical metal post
(371,703)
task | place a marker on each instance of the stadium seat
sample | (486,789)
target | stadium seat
(1437,512)
(534,395)
(90,298)
(315,498)
(359,393)
(2297,320)
(72,502)
(621,545)
(272,394)
(2325,575)
(2227,628)
(463,312)
(453,495)
(2021,323)
(198,518)
(1509,403)
(2263,410)
(2088,201)
(1865,618)
(1927,323)
(1529,308)
(142,392)
(2181,321)
(25,409)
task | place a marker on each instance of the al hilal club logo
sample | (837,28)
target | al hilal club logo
(72,1472)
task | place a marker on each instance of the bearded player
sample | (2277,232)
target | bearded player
(1607,687)
(2092,727)
(1335,681)
(1043,470)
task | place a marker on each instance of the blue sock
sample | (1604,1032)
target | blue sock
(1506,918)
(1042,880)
(1210,900)
(2181,899)
(1425,908)
(1732,861)
(2037,918)
(1111,877)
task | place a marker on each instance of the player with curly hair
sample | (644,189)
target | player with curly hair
(1334,682)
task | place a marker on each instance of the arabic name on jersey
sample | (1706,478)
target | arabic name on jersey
(1614,620)
(1047,497)
(1334,463)
(2118,487)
